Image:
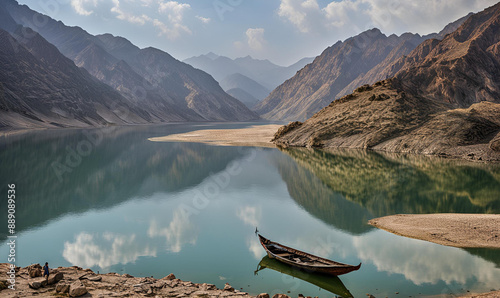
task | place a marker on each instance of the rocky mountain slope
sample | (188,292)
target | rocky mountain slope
(387,118)
(462,69)
(39,87)
(342,67)
(165,88)
(418,110)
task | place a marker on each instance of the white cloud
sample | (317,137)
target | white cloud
(122,15)
(175,14)
(179,232)
(80,6)
(174,10)
(390,16)
(172,28)
(255,38)
(300,13)
(423,262)
(250,215)
(203,20)
(173,31)
(338,14)
(105,250)
(255,248)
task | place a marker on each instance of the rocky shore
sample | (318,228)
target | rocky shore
(78,282)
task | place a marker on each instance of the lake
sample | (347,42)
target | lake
(110,200)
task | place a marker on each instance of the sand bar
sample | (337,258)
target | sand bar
(254,136)
(457,230)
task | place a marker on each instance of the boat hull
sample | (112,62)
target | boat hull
(327,266)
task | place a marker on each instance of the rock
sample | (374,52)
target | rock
(95,278)
(62,288)
(227,287)
(200,294)
(285,129)
(55,278)
(263,295)
(34,272)
(281,296)
(77,289)
(171,276)
(127,275)
(207,287)
(35,285)
(370,296)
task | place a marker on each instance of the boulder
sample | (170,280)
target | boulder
(35,284)
(95,278)
(263,295)
(34,272)
(171,276)
(227,287)
(207,287)
(62,288)
(55,278)
(77,289)
(281,296)
(495,144)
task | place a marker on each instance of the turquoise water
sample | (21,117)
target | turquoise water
(111,200)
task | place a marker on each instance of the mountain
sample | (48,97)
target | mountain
(443,100)
(359,60)
(384,117)
(264,72)
(40,87)
(165,88)
(239,81)
(246,98)
(385,70)
(463,68)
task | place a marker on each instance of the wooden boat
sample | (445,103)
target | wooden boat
(304,260)
(329,283)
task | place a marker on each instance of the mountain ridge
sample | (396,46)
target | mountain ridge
(177,92)
(441,101)
(342,67)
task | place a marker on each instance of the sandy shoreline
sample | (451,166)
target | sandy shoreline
(254,136)
(457,230)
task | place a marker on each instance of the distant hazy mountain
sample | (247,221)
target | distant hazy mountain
(444,100)
(239,81)
(338,70)
(167,89)
(248,99)
(264,72)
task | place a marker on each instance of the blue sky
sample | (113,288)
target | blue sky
(282,31)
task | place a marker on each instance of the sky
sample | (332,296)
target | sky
(283,31)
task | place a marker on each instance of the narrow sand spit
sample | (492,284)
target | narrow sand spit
(457,230)
(493,294)
(254,136)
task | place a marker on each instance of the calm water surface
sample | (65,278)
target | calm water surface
(125,204)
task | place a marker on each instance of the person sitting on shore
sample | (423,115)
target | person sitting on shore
(46,271)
